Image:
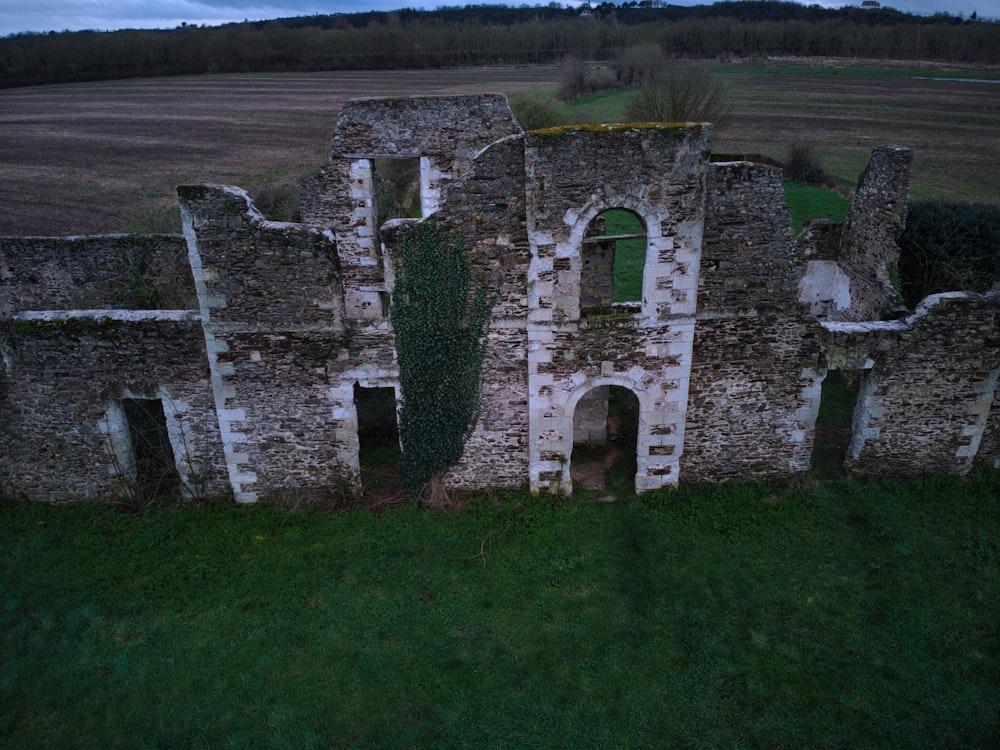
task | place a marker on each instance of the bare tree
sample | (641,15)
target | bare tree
(680,94)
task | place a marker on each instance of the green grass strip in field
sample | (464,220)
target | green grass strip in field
(807,202)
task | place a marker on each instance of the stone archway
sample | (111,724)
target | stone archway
(605,440)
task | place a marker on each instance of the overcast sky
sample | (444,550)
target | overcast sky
(105,15)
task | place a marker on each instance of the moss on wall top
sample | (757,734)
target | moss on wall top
(678,130)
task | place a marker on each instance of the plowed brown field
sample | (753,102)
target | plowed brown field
(94,158)
(101,157)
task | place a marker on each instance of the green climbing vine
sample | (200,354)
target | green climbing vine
(440,316)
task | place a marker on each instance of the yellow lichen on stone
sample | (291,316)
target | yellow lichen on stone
(608,127)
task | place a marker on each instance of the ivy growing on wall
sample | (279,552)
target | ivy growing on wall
(440,316)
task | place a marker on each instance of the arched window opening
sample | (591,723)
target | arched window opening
(605,436)
(613,256)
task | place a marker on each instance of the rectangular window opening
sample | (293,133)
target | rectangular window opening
(397,189)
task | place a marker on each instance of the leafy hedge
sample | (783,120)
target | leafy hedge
(947,247)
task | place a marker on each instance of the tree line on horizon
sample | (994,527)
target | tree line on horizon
(497,34)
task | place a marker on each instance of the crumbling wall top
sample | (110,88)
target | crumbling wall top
(132,272)
(578,169)
(874,220)
(250,272)
(422,126)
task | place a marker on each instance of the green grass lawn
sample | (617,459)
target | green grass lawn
(808,202)
(847,72)
(607,106)
(604,107)
(851,615)
(845,111)
(630,255)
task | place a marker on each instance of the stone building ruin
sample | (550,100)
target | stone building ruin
(253,339)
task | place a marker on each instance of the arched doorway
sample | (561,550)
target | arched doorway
(605,436)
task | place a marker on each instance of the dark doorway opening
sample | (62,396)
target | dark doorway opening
(156,473)
(605,438)
(834,422)
(378,437)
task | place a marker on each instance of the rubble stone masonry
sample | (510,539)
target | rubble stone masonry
(253,334)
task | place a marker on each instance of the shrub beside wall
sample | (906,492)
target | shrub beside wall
(949,246)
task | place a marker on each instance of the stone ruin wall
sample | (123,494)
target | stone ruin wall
(939,364)
(275,323)
(469,188)
(868,249)
(445,134)
(755,385)
(488,207)
(65,380)
(111,272)
(988,456)
(277,337)
(647,349)
(77,340)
